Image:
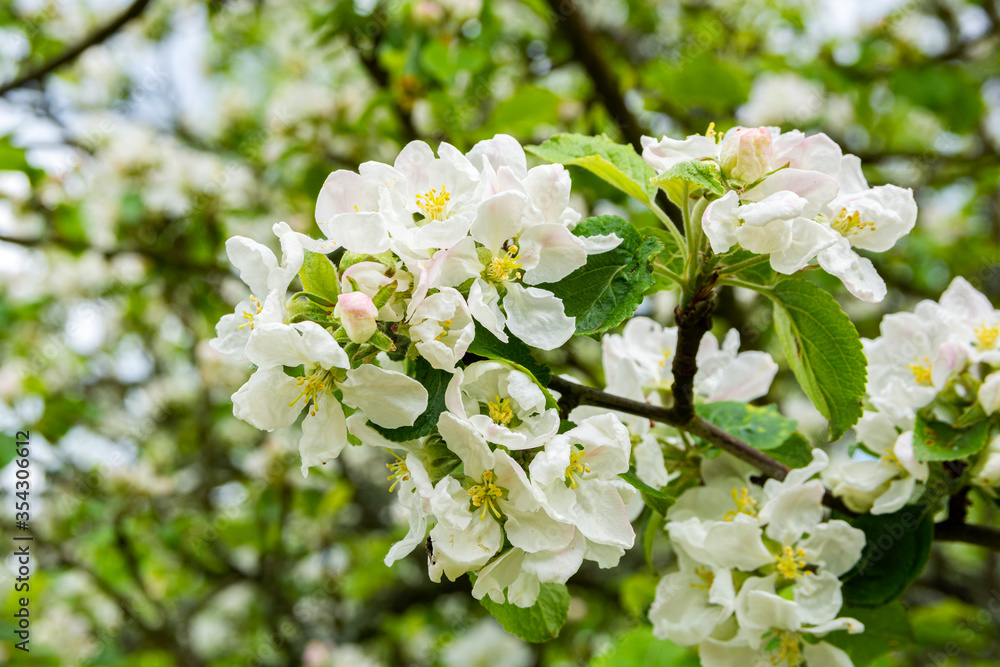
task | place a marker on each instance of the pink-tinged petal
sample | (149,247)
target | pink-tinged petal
(254,262)
(857,273)
(499,218)
(548,186)
(501,151)
(720,222)
(816,188)
(537,317)
(484,304)
(550,252)
(665,153)
(361,232)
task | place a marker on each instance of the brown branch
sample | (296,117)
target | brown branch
(73,52)
(573,394)
(957,531)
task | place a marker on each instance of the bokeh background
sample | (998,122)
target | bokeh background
(169,533)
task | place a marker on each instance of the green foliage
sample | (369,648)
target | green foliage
(761,426)
(897,547)
(436,383)
(639,647)
(795,452)
(606,291)
(538,623)
(886,628)
(695,175)
(520,114)
(617,164)
(489,346)
(658,499)
(823,349)
(319,276)
(938,441)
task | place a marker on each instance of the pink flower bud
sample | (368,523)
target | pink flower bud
(745,154)
(357,313)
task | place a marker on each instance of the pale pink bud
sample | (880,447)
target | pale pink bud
(745,154)
(357,313)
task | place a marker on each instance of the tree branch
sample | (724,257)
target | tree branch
(573,394)
(957,531)
(73,52)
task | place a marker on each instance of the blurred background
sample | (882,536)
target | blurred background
(135,138)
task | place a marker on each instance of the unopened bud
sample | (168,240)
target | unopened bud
(357,312)
(745,154)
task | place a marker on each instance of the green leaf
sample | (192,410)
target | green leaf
(795,452)
(616,163)
(319,276)
(538,623)
(896,549)
(695,174)
(607,290)
(762,427)
(651,527)
(887,628)
(760,274)
(938,441)
(823,349)
(435,382)
(485,344)
(639,647)
(972,415)
(670,257)
(659,501)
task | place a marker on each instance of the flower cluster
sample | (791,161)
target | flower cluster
(940,361)
(794,198)
(429,249)
(759,569)
(509,498)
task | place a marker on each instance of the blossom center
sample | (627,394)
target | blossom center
(248,316)
(745,504)
(445,330)
(504,267)
(712,134)
(786,647)
(921,370)
(486,494)
(501,411)
(399,471)
(576,468)
(706,576)
(433,203)
(666,352)
(792,563)
(313,385)
(849,224)
(987,335)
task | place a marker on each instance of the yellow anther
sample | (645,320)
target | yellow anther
(788,650)
(248,316)
(575,467)
(849,224)
(400,473)
(501,411)
(706,576)
(921,370)
(792,563)
(433,203)
(745,504)
(986,335)
(712,134)
(666,352)
(313,386)
(486,494)
(504,267)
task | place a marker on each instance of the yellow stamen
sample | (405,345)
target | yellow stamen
(849,224)
(433,203)
(486,494)
(788,650)
(445,330)
(501,411)
(248,316)
(712,134)
(987,335)
(504,267)
(792,563)
(666,352)
(745,504)
(921,370)
(313,386)
(706,575)
(400,473)
(575,467)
